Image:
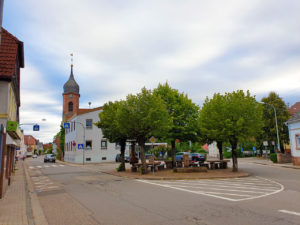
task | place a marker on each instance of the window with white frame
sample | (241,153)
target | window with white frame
(297,137)
(89,123)
(103,144)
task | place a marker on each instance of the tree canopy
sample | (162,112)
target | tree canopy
(283,115)
(241,115)
(144,115)
(212,121)
(182,112)
(111,126)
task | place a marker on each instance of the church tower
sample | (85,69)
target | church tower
(70,97)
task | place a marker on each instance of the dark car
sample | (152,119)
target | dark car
(198,157)
(50,158)
(118,158)
(179,155)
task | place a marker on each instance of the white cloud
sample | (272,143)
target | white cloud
(199,47)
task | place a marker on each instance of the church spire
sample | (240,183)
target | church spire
(71,85)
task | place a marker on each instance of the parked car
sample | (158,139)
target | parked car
(179,155)
(118,158)
(34,156)
(50,158)
(198,157)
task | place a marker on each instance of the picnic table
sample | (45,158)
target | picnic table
(149,165)
(217,163)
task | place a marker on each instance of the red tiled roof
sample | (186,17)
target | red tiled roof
(294,108)
(11,49)
(29,140)
(83,111)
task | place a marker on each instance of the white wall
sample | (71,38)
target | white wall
(293,130)
(96,153)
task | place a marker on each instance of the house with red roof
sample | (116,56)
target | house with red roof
(11,62)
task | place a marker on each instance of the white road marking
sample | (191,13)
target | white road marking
(39,166)
(46,166)
(54,165)
(31,167)
(227,189)
(289,212)
(61,165)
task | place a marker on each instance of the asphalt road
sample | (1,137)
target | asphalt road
(77,195)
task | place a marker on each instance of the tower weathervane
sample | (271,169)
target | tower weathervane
(71,59)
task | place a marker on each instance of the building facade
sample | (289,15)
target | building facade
(11,61)
(84,142)
(294,134)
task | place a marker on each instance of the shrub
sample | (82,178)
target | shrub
(273,157)
(121,168)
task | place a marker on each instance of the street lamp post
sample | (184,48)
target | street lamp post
(277,133)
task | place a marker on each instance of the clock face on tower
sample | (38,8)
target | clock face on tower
(71,96)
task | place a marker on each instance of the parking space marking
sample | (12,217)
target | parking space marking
(235,189)
(289,212)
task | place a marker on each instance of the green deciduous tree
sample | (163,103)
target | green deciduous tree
(212,121)
(111,126)
(182,112)
(243,120)
(142,116)
(283,115)
(236,117)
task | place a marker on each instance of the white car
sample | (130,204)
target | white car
(34,156)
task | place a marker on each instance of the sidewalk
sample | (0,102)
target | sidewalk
(15,207)
(268,162)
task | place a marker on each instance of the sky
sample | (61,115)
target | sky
(199,47)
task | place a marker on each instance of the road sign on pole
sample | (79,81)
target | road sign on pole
(67,125)
(265,143)
(80,146)
(36,127)
(152,139)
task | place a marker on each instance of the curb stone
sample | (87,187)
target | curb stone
(37,211)
(176,178)
(267,164)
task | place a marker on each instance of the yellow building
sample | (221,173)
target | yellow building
(11,60)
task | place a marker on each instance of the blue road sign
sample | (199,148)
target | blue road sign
(67,125)
(80,146)
(36,127)
(242,149)
(254,149)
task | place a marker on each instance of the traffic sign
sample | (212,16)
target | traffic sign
(254,149)
(80,146)
(152,139)
(36,127)
(67,125)
(265,143)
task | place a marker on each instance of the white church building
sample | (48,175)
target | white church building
(84,141)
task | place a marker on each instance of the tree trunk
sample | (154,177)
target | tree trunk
(133,158)
(233,143)
(123,146)
(141,143)
(173,153)
(220,147)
